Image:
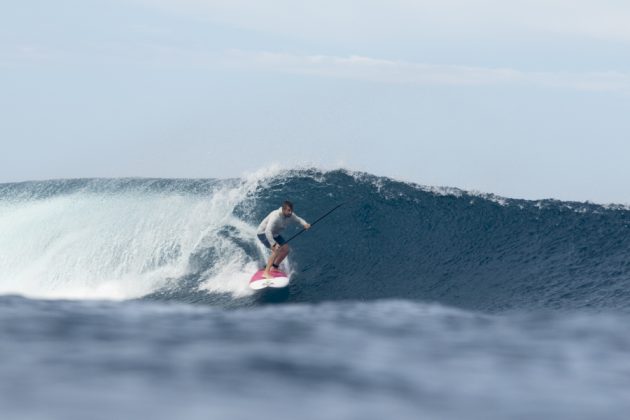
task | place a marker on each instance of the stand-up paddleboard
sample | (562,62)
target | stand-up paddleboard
(278,279)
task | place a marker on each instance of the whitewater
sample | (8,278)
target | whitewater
(129,297)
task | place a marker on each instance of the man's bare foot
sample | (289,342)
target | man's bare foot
(266,274)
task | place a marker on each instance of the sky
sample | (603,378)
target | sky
(525,99)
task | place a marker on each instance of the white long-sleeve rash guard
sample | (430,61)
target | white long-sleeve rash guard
(275,223)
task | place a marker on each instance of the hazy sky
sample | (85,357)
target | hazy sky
(524,99)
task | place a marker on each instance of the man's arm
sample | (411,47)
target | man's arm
(273,219)
(269,235)
(301,221)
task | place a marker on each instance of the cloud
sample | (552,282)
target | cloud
(402,72)
(377,70)
(400,20)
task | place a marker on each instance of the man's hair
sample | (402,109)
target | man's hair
(287,204)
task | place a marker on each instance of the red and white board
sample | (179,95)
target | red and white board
(278,279)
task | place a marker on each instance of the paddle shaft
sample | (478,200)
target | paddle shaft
(313,224)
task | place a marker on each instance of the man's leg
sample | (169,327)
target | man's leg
(272,258)
(281,255)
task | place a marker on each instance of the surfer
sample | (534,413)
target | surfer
(269,234)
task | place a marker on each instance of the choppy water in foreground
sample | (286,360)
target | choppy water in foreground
(384,359)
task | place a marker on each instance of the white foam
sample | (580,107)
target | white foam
(122,245)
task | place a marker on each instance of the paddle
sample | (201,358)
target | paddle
(313,224)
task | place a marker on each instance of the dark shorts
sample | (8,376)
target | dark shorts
(262,238)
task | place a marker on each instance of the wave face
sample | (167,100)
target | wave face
(194,240)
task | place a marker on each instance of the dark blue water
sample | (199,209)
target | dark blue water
(129,298)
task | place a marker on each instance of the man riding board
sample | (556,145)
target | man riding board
(269,234)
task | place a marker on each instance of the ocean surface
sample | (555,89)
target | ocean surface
(126,298)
